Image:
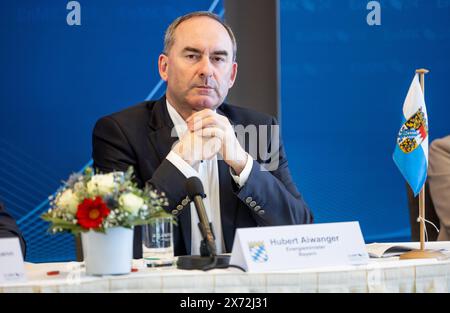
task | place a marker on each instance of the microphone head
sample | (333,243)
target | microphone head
(194,187)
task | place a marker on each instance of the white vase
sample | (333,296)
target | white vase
(110,253)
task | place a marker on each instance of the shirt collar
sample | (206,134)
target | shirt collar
(177,120)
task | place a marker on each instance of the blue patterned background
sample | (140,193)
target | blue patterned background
(343,85)
(56,81)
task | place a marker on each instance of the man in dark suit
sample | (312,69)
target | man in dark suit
(191,132)
(8,228)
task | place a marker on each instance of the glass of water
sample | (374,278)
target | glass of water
(157,242)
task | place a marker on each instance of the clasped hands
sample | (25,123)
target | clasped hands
(209,134)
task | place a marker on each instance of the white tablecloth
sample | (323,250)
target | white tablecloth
(380,275)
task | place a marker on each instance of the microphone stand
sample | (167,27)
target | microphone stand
(208,249)
(208,258)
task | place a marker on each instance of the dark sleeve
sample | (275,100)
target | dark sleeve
(9,228)
(271,187)
(113,152)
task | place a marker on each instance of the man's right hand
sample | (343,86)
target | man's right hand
(199,145)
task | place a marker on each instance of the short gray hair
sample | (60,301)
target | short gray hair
(169,37)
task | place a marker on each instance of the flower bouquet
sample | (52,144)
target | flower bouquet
(104,208)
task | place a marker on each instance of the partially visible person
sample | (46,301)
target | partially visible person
(9,228)
(439,182)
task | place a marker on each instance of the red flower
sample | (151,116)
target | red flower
(91,212)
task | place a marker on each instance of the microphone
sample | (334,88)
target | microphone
(195,192)
(208,258)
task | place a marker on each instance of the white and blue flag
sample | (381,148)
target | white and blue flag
(411,150)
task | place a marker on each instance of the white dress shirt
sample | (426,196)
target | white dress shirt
(208,172)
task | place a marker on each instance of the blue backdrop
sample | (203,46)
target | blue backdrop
(343,85)
(57,80)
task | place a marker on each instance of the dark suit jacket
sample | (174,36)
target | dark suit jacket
(8,228)
(141,136)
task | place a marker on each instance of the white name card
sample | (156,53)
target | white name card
(263,249)
(11,261)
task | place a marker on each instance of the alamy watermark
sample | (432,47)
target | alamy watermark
(262,143)
(374,16)
(74,15)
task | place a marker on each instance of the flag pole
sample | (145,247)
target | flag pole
(422,73)
(422,253)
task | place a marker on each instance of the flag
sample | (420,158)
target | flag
(411,151)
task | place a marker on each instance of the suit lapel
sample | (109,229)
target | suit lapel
(228,200)
(161,138)
(160,127)
(228,204)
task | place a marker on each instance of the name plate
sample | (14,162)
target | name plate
(263,249)
(11,261)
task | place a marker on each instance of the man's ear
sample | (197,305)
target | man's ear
(163,67)
(233,74)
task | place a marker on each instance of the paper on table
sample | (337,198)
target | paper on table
(381,250)
(385,250)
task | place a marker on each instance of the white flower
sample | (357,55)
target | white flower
(131,202)
(68,201)
(101,184)
(78,186)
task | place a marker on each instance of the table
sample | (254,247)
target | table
(380,275)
